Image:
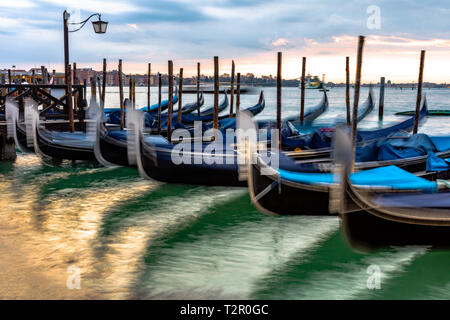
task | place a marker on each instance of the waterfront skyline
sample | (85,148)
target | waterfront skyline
(250,32)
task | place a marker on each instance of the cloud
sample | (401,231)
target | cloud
(280,42)
(132,25)
(248,31)
(17,4)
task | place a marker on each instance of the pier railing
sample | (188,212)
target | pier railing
(51,107)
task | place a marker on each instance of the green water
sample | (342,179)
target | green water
(139,239)
(133,238)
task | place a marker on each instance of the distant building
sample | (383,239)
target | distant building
(86,74)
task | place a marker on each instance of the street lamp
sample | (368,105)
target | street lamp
(99,27)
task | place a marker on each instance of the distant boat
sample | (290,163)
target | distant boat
(313,82)
(209,88)
(430,113)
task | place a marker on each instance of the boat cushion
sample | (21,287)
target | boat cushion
(390,176)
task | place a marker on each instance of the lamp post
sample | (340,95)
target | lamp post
(99,27)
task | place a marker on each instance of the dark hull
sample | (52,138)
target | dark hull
(364,230)
(61,152)
(22,139)
(162,169)
(112,150)
(291,200)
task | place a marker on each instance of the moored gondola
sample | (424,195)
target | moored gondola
(300,188)
(112,144)
(411,211)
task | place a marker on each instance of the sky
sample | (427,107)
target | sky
(250,32)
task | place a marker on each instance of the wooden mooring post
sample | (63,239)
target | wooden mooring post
(381,101)
(149,76)
(159,102)
(356,98)
(69,98)
(7,149)
(216,95)
(232,89)
(238,92)
(302,91)
(103,95)
(279,62)
(180,96)
(170,107)
(419,92)
(198,88)
(347,89)
(122,111)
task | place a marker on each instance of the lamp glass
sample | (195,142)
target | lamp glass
(100,26)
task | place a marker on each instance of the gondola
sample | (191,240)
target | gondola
(294,189)
(310,115)
(312,141)
(69,145)
(112,115)
(151,120)
(403,210)
(155,162)
(60,145)
(431,113)
(190,107)
(317,144)
(112,148)
(18,129)
(63,145)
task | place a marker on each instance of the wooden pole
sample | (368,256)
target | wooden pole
(169,118)
(347,89)
(279,62)
(159,102)
(93,88)
(198,88)
(44,75)
(134,93)
(381,101)
(180,96)
(122,111)
(69,97)
(9,79)
(216,95)
(148,85)
(75,97)
(103,83)
(356,98)
(130,88)
(419,92)
(99,89)
(302,92)
(238,92)
(74,74)
(232,89)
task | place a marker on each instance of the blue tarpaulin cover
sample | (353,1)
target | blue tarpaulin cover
(434,163)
